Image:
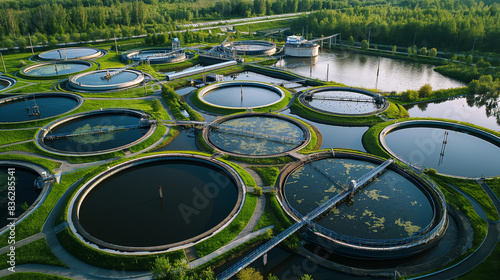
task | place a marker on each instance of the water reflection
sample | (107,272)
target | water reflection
(361,71)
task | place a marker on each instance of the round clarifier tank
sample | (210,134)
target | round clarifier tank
(449,148)
(251,47)
(256,134)
(395,211)
(96,132)
(71,54)
(56,68)
(185,198)
(344,101)
(155,56)
(21,108)
(25,193)
(109,79)
(237,95)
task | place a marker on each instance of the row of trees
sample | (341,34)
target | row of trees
(458,29)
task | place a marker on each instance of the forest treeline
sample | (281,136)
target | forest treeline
(443,24)
(440,24)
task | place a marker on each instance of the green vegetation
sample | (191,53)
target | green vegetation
(13,136)
(488,269)
(175,105)
(230,232)
(106,260)
(155,137)
(461,203)
(37,252)
(371,140)
(142,105)
(49,164)
(387,22)
(150,70)
(473,189)
(425,95)
(268,174)
(274,215)
(178,270)
(32,275)
(168,67)
(110,60)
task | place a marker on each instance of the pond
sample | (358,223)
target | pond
(476,109)
(360,70)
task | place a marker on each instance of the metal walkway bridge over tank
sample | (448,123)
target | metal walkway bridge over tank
(308,219)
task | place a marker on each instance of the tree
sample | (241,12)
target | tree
(157,106)
(257,191)
(425,91)
(350,41)
(468,59)
(423,51)
(365,45)
(249,273)
(410,95)
(433,52)
(162,268)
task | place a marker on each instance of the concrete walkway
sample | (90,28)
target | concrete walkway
(259,210)
(16,143)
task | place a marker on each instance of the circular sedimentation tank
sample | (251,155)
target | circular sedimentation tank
(96,132)
(449,148)
(186,198)
(344,101)
(256,135)
(6,82)
(26,194)
(56,68)
(109,79)
(396,215)
(71,54)
(251,47)
(22,108)
(241,94)
(155,56)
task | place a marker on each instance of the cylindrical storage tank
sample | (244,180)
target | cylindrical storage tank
(251,47)
(109,79)
(303,50)
(397,214)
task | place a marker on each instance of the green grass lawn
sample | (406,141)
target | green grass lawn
(268,174)
(110,60)
(13,136)
(32,275)
(49,164)
(230,232)
(36,252)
